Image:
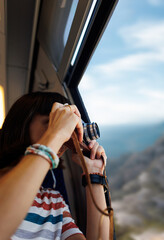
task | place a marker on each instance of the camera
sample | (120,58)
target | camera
(91,132)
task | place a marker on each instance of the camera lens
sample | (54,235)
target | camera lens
(91,131)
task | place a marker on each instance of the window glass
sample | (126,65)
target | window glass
(83,32)
(54,27)
(70,20)
(123,91)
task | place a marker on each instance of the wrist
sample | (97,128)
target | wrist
(53,141)
(96,165)
(93,170)
(45,152)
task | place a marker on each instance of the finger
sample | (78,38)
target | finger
(91,144)
(94,150)
(100,151)
(75,110)
(55,106)
(104,158)
(79,128)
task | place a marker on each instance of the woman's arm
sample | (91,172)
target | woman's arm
(95,165)
(19,186)
(94,216)
(18,189)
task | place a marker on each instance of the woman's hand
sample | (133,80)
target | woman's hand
(63,120)
(97,160)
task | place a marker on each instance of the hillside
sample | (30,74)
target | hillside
(137,183)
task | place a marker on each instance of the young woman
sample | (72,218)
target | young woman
(27,210)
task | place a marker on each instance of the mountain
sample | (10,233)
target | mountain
(137,187)
(123,139)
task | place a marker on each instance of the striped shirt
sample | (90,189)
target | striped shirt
(47,218)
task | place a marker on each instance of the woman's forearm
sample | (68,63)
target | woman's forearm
(18,189)
(94,216)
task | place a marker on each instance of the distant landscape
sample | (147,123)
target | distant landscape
(125,139)
(136,173)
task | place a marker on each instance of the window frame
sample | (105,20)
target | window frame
(96,28)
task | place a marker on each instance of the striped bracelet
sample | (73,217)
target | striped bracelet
(44,152)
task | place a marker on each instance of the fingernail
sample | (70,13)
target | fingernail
(90,144)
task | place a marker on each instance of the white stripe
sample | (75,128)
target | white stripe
(33,227)
(48,227)
(43,234)
(48,190)
(70,232)
(44,213)
(48,201)
(67,220)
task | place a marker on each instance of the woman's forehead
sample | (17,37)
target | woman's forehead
(39,117)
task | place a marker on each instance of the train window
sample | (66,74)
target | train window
(69,21)
(55,23)
(83,32)
(123,91)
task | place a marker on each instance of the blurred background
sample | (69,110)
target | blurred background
(128,105)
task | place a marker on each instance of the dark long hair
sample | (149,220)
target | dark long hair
(14,135)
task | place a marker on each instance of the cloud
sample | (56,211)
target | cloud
(113,107)
(128,100)
(149,35)
(106,111)
(146,41)
(155,94)
(129,63)
(155,2)
(87,83)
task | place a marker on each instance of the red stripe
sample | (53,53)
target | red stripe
(48,195)
(68,226)
(66,214)
(46,206)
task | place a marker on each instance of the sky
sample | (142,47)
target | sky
(124,83)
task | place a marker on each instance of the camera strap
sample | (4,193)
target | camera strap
(106,212)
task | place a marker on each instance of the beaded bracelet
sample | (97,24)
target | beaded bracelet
(44,152)
(31,150)
(53,156)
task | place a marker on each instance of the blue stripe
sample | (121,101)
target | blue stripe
(35,218)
